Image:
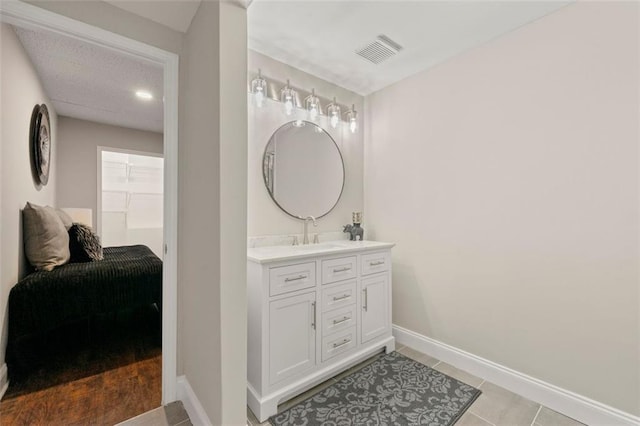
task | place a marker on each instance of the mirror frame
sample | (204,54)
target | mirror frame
(264,177)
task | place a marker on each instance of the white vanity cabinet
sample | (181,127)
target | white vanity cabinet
(292,336)
(375,307)
(313,311)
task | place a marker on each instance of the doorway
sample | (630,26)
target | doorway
(130,195)
(28,16)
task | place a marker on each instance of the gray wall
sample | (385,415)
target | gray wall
(77,164)
(21,91)
(213,205)
(198,231)
(233,212)
(516,166)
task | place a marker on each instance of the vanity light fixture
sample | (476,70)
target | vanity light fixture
(144,94)
(259,89)
(312,105)
(288,98)
(333,111)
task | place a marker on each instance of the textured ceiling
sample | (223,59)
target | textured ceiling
(175,14)
(95,83)
(320,37)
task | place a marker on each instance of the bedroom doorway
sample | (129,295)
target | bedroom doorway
(24,15)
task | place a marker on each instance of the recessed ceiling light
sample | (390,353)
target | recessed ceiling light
(143,94)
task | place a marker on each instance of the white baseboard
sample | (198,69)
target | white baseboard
(4,380)
(561,400)
(196,412)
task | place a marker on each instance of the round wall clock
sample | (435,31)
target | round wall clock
(40,137)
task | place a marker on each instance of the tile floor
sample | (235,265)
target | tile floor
(172,414)
(495,407)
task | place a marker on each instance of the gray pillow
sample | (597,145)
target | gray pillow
(46,241)
(84,244)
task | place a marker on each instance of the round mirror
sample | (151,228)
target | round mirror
(303,170)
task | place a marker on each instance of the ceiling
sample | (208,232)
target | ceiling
(95,83)
(321,37)
(175,14)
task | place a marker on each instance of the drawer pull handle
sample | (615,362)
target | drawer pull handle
(346,268)
(344,342)
(365,304)
(379,262)
(299,277)
(336,322)
(346,296)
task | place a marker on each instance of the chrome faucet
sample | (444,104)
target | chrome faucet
(305,235)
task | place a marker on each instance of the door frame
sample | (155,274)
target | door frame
(28,16)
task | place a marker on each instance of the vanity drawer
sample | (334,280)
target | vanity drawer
(338,343)
(341,269)
(285,279)
(338,320)
(338,296)
(375,262)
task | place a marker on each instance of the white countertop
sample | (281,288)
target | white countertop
(280,253)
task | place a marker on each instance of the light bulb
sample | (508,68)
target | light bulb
(259,89)
(287,97)
(334,120)
(288,106)
(352,115)
(353,125)
(313,112)
(312,105)
(333,110)
(259,95)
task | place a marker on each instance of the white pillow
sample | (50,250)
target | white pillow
(65,218)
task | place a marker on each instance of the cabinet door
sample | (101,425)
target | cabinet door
(292,335)
(374,305)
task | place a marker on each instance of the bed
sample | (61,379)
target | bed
(128,277)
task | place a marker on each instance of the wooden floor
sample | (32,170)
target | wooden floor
(98,378)
(102,399)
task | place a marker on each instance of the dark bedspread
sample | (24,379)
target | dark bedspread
(128,277)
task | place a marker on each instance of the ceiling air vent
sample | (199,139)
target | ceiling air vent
(381,49)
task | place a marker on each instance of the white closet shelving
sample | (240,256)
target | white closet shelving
(132,199)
